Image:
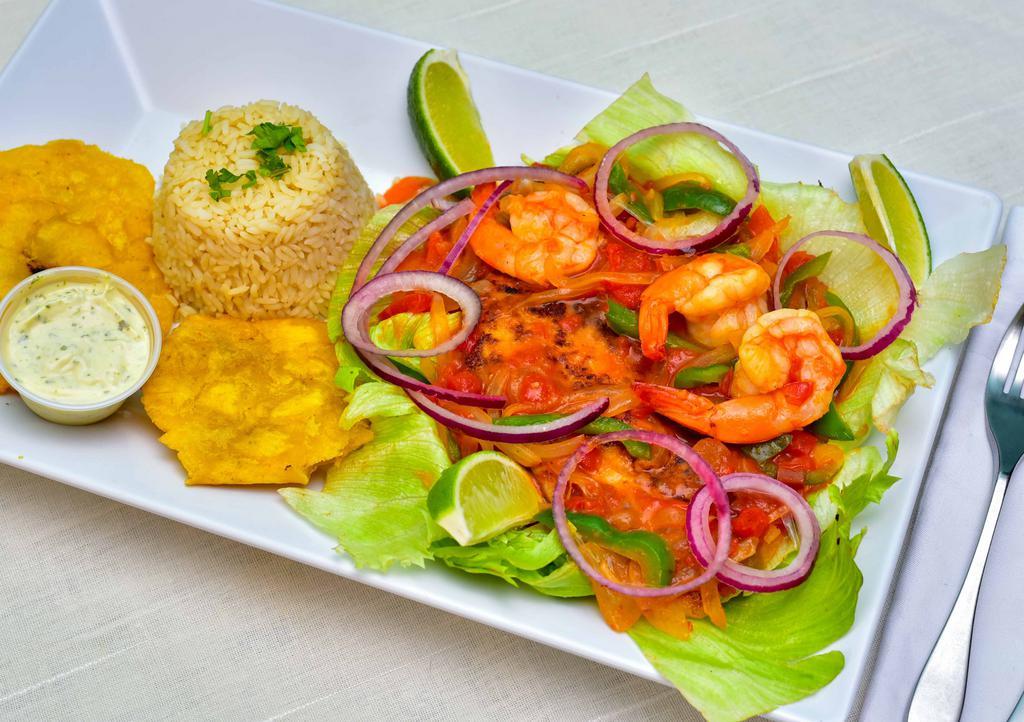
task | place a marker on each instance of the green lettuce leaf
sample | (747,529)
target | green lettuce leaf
(863,480)
(409,330)
(347,272)
(810,208)
(959,295)
(532,555)
(854,273)
(351,369)
(374,499)
(768,654)
(877,388)
(641,106)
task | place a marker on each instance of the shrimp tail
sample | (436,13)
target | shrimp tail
(682,406)
(653,327)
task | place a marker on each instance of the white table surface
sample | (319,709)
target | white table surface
(107,612)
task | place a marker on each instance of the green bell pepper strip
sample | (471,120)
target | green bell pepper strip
(409,371)
(808,270)
(693,376)
(691,196)
(600,425)
(646,548)
(619,183)
(736,249)
(767,449)
(833,426)
(626,322)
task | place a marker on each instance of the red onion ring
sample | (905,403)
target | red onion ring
(355,315)
(712,487)
(721,232)
(747,578)
(447,187)
(905,286)
(381,366)
(474,223)
(549,431)
(450,215)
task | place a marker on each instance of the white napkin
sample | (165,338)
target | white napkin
(953,504)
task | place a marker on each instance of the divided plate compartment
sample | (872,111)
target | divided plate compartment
(126,74)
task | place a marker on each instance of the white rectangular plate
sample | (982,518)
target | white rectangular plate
(125,74)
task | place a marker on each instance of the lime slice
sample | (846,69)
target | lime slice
(890,212)
(444,117)
(483,495)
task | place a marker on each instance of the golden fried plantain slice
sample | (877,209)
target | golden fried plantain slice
(70,204)
(248,402)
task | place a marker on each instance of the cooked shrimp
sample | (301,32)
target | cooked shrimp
(729,326)
(552,234)
(787,371)
(719,294)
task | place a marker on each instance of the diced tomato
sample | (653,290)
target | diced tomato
(628,296)
(415,302)
(456,376)
(803,443)
(797,459)
(592,461)
(793,477)
(438,246)
(623,258)
(405,189)
(798,259)
(537,389)
(798,392)
(759,220)
(750,522)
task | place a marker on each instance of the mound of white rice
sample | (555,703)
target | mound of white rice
(269,250)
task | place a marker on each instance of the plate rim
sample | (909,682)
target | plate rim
(988,237)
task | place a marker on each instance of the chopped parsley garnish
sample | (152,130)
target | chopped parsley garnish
(207,122)
(271,164)
(270,141)
(218,179)
(275,137)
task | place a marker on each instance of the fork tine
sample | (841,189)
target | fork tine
(1007,356)
(1018,378)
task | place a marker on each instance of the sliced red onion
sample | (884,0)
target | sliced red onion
(474,223)
(693,244)
(355,317)
(387,371)
(905,286)
(748,579)
(550,431)
(712,488)
(439,192)
(450,215)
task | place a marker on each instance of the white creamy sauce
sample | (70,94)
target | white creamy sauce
(77,342)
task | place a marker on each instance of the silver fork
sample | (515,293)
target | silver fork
(939,696)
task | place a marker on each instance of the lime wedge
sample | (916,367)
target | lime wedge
(483,495)
(444,117)
(890,212)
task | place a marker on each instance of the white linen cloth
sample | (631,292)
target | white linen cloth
(107,612)
(953,503)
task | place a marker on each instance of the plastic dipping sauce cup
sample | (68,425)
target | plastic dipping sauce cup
(82,324)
